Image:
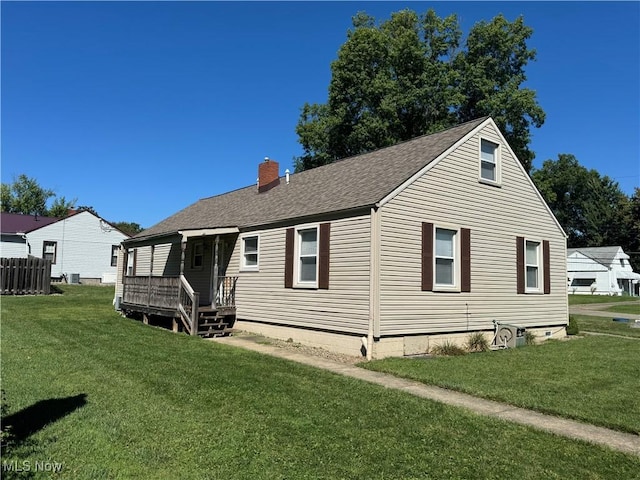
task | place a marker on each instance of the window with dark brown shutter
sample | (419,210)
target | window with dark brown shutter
(288,258)
(520,270)
(427,257)
(546,267)
(323,256)
(465,259)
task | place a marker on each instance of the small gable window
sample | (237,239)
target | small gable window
(250,253)
(489,161)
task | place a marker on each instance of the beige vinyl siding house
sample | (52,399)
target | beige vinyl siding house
(382,254)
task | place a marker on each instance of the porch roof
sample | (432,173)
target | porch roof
(346,185)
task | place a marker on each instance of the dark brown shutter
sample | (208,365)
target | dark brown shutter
(323,256)
(465,257)
(546,266)
(520,270)
(427,257)
(288,258)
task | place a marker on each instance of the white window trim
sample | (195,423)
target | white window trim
(540,277)
(297,283)
(114,254)
(54,244)
(455,287)
(243,266)
(498,161)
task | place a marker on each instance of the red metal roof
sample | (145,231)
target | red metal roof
(18,223)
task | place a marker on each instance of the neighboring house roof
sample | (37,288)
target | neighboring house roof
(344,185)
(12,223)
(603,255)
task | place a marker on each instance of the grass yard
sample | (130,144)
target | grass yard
(110,398)
(633,309)
(587,323)
(584,299)
(592,379)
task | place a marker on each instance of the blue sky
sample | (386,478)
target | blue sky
(141,108)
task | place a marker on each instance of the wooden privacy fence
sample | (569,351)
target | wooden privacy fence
(25,276)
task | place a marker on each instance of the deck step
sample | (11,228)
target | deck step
(213,324)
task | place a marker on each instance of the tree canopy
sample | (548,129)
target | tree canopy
(25,196)
(591,208)
(408,76)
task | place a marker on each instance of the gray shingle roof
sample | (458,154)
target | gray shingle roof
(348,184)
(602,255)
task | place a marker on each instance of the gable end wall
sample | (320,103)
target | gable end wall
(450,194)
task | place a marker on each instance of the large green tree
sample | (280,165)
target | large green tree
(490,75)
(591,208)
(408,76)
(25,195)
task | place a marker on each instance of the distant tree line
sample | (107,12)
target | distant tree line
(25,195)
(591,208)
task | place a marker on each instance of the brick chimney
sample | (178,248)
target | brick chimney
(268,175)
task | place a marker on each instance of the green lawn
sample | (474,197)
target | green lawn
(631,308)
(587,323)
(593,379)
(110,398)
(582,299)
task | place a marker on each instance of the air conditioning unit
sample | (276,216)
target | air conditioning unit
(509,336)
(74,278)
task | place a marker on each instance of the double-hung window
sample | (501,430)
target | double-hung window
(307,257)
(250,247)
(445,257)
(114,255)
(489,161)
(533,265)
(49,251)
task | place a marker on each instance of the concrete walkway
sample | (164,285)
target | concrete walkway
(623,442)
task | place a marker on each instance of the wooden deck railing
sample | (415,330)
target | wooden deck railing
(188,303)
(175,294)
(158,292)
(226,292)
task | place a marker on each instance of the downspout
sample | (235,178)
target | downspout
(26,244)
(374,281)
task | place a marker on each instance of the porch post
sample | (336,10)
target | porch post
(183,247)
(215,272)
(125,263)
(153,248)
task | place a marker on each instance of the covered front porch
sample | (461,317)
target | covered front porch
(182,276)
